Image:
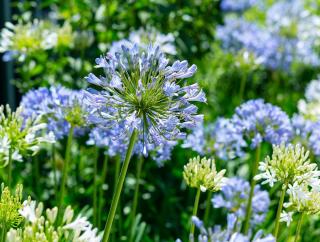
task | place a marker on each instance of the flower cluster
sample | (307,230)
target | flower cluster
(233,197)
(236,5)
(230,233)
(59,107)
(288,164)
(254,122)
(24,39)
(202,174)
(140,92)
(39,227)
(142,38)
(285,37)
(9,208)
(20,136)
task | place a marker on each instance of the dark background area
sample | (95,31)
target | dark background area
(8,92)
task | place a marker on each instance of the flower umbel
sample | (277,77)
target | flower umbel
(202,173)
(140,91)
(288,164)
(19,136)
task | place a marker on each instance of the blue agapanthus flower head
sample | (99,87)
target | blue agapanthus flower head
(141,91)
(234,196)
(59,106)
(229,142)
(237,5)
(259,121)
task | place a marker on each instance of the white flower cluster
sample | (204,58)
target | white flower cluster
(202,174)
(19,136)
(22,39)
(39,227)
(290,165)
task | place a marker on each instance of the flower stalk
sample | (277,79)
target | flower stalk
(296,239)
(65,173)
(117,192)
(252,185)
(194,212)
(102,181)
(277,223)
(136,195)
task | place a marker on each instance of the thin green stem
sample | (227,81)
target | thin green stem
(242,87)
(280,205)
(208,208)
(136,195)
(296,239)
(102,181)
(119,186)
(54,169)
(10,168)
(252,185)
(194,212)
(65,174)
(95,187)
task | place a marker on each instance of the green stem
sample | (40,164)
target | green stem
(10,168)
(296,239)
(119,186)
(208,207)
(65,174)
(252,185)
(194,213)
(95,186)
(54,168)
(280,205)
(136,195)
(102,181)
(242,87)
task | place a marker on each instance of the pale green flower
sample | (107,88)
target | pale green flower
(202,173)
(288,164)
(10,204)
(20,136)
(41,227)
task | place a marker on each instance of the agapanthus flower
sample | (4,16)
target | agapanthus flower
(234,196)
(303,198)
(286,36)
(288,164)
(229,142)
(202,174)
(254,122)
(24,39)
(43,226)
(230,234)
(20,136)
(60,107)
(259,121)
(236,5)
(142,38)
(141,92)
(10,204)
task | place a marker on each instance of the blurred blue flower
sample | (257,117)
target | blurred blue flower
(234,196)
(230,234)
(236,5)
(259,121)
(58,106)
